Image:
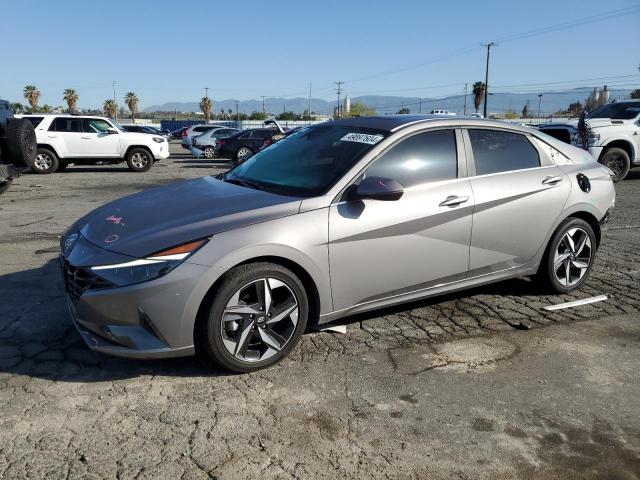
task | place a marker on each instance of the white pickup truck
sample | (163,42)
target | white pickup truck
(88,140)
(613,133)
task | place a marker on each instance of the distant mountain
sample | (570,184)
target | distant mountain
(498,102)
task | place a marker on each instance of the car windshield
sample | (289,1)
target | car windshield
(617,111)
(308,162)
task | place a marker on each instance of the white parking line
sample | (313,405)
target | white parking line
(575,303)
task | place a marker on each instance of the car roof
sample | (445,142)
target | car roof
(393,123)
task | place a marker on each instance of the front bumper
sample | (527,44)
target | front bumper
(162,152)
(153,319)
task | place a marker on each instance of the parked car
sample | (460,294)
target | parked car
(177,133)
(239,266)
(17,145)
(613,135)
(441,112)
(194,131)
(84,140)
(207,141)
(139,129)
(242,145)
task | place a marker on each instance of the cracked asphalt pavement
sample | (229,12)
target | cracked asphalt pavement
(478,384)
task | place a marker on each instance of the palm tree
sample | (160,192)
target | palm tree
(17,107)
(478,94)
(46,108)
(131,99)
(32,94)
(71,97)
(110,108)
(206,105)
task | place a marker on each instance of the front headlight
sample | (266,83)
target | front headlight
(143,269)
(158,140)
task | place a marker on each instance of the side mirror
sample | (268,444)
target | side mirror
(378,188)
(111,131)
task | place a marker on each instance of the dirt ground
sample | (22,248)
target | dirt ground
(479,384)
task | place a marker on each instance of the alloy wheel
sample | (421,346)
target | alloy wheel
(139,160)
(208,152)
(243,153)
(259,320)
(43,161)
(572,257)
(615,164)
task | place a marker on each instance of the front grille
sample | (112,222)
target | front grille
(78,280)
(561,134)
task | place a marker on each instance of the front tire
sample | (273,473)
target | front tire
(139,160)
(45,162)
(569,256)
(257,316)
(618,161)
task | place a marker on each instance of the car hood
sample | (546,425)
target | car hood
(163,217)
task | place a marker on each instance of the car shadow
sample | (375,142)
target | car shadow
(38,339)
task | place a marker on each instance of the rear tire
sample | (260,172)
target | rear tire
(254,337)
(21,141)
(243,154)
(569,257)
(139,160)
(45,162)
(209,152)
(617,160)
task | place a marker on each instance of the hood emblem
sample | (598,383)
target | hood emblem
(69,242)
(111,238)
(115,220)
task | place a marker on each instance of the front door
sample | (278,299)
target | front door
(518,196)
(379,249)
(98,140)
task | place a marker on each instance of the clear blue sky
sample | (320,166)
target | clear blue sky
(169,50)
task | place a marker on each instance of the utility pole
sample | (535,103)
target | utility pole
(309,106)
(338,90)
(263,110)
(420,107)
(465,99)
(486,78)
(206,92)
(114,100)
(237,114)
(539,102)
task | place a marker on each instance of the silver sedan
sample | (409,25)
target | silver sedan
(338,218)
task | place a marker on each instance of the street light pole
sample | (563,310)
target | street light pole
(486,78)
(465,99)
(539,102)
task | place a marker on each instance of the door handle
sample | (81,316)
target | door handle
(85,138)
(52,136)
(453,201)
(551,180)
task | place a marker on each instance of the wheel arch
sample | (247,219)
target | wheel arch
(625,145)
(144,147)
(592,221)
(309,284)
(46,146)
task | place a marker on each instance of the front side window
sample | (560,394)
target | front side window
(66,124)
(35,121)
(309,162)
(422,158)
(497,151)
(95,125)
(617,111)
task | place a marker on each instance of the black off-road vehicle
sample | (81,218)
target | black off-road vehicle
(17,145)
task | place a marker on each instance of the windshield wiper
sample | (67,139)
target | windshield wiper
(243,183)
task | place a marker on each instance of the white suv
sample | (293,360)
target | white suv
(82,140)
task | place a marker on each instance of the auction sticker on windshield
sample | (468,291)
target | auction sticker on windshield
(362,138)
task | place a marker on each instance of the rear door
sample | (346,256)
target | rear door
(97,141)
(519,193)
(66,134)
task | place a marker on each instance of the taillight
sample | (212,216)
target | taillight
(220,142)
(184,132)
(267,141)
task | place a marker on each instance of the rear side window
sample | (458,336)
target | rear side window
(497,151)
(422,158)
(65,124)
(35,121)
